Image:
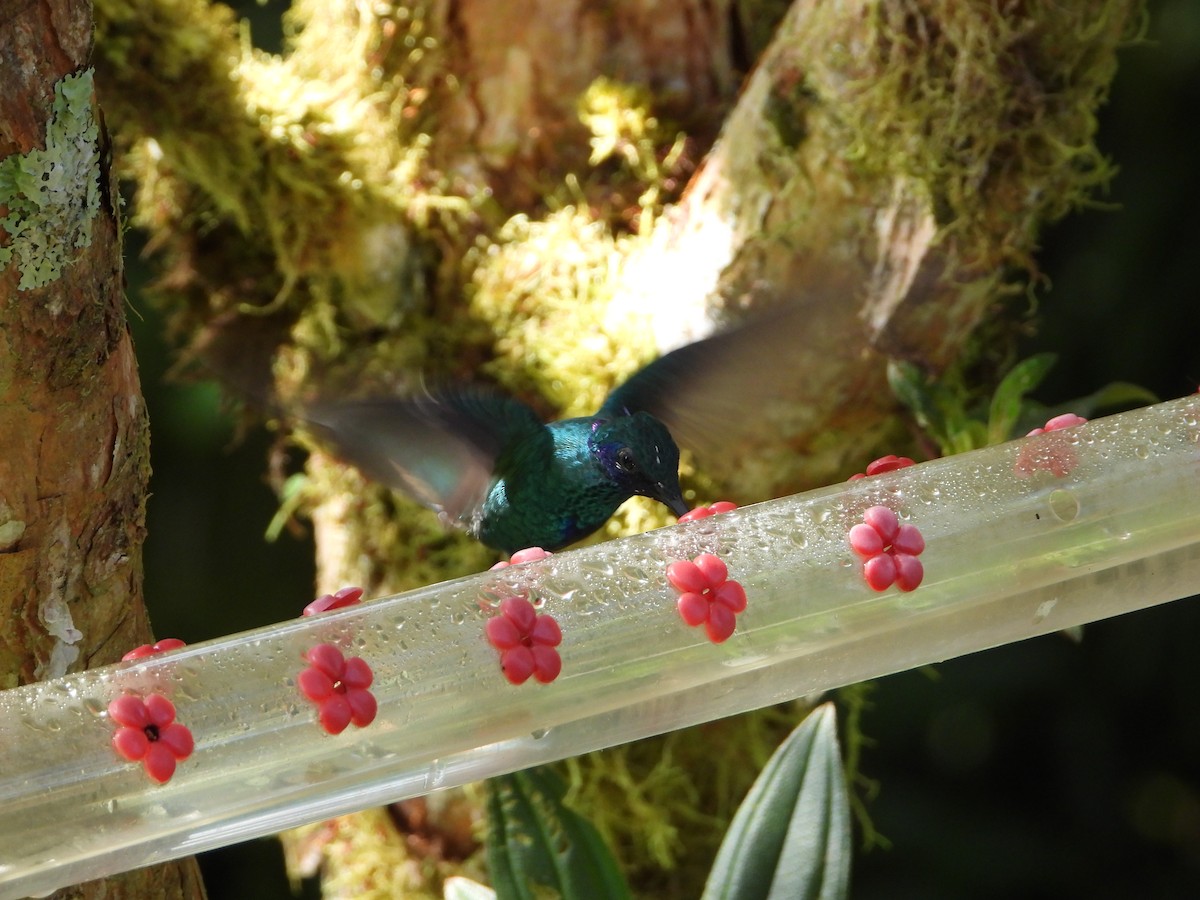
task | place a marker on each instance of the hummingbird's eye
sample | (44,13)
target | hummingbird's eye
(626,461)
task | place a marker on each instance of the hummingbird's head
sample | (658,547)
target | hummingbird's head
(639,455)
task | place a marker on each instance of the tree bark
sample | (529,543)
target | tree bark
(74,449)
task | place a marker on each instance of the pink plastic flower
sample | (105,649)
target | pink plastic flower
(338,686)
(1054,455)
(1066,420)
(707,596)
(703,512)
(149,734)
(347,596)
(888,549)
(150,649)
(889,463)
(526,640)
(529,554)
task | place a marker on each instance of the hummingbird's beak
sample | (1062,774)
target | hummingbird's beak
(674,502)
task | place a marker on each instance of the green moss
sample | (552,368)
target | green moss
(53,194)
(290,176)
(543,289)
(625,130)
(856,701)
(993,113)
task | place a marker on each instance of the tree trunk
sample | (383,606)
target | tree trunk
(74,449)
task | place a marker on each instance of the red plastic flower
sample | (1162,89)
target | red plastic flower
(149,733)
(150,649)
(339,688)
(703,512)
(889,463)
(888,549)
(1055,455)
(707,596)
(526,640)
(529,554)
(347,596)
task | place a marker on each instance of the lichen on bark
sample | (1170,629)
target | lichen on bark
(52,193)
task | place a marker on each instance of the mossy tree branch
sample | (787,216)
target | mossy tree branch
(890,164)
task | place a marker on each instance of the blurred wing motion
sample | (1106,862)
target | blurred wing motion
(441,448)
(715,390)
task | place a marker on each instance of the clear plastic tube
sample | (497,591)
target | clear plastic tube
(1022,539)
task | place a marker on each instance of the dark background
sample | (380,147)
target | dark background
(1041,769)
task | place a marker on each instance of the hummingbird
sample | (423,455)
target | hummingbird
(485,461)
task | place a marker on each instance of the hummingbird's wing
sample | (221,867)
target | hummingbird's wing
(440,448)
(714,390)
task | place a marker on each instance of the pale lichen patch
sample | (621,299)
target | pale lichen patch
(52,194)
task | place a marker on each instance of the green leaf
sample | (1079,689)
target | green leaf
(291,499)
(913,389)
(537,845)
(1116,396)
(1006,402)
(790,839)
